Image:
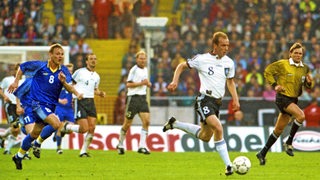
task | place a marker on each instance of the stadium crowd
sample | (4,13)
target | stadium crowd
(260,33)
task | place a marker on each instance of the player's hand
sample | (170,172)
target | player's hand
(19,110)
(102,94)
(80,96)
(279,88)
(63,101)
(172,86)
(309,78)
(235,106)
(6,99)
(62,77)
(13,87)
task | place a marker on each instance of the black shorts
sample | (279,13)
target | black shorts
(207,106)
(11,112)
(84,108)
(136,104)
(283,102)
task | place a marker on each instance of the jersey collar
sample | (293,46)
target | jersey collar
(292,63)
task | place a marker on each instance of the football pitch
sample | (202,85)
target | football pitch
(158,165)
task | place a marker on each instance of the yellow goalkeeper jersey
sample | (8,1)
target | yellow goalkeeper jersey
(289,75)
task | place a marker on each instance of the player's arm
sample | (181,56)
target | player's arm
(180,68)
(19,108)
(146,82)
(233,91)
(15,83)
(68,86)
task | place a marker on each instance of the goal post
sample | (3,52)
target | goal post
(19,54)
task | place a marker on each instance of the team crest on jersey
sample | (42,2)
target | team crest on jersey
(226,71)
(45,73)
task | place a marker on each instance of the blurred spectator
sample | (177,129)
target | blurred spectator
(34,13)
(123,83)
(58,8)
(82,10)
(235,118)
(3,39)
(159,87)
(80,47)
(312,114)
(142,8)
(78,28)
(30,35)
(119,108)
(45,28)
(269,94)
(114,23)
(102,9)
(252,87)
(307,6)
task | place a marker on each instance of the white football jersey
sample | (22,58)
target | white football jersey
(86,82)
(5,83)
(137,74)
(213,73)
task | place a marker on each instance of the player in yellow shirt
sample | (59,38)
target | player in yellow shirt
(288,77)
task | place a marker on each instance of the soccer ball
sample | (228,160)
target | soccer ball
(241,164)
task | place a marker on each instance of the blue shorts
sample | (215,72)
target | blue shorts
(65,113)
(41,111)
(27,117)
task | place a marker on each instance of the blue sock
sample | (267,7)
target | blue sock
(23,129)
(59,139)
(46,132)
(26,143)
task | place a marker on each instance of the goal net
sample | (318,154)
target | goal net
(11,55)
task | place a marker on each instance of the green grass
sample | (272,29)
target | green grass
(158,165)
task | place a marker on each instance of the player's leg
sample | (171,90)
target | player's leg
(299,118)
(220,144)
(91,125)
(281,123)
(45,133)
(26,144)
(123,132)
(145,118)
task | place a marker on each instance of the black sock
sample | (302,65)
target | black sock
(271,140)
(294,128)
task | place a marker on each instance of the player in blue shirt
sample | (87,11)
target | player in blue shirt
(64,111)
(45,89)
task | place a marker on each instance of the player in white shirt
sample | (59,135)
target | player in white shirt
(10,103)
(87,83)
(136,102)
(215,70)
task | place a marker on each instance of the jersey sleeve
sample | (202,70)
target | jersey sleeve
(75,75)
(232,70)
(272,71)
(31,66)
(67,74)
(193,62)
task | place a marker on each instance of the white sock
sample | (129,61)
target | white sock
(143,137)
(6,133)
(122,137)
(11,140)
(188,128)
(73,127)
(222,149)
(86,143)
